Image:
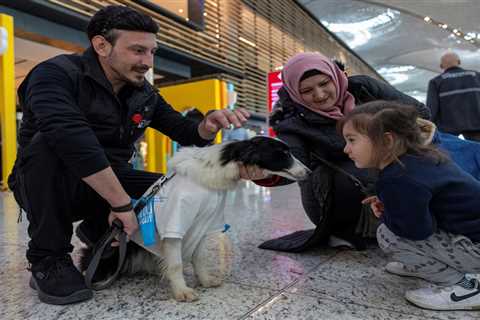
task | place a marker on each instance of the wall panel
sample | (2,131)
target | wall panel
(253,37)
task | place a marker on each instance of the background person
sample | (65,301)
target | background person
(454,99)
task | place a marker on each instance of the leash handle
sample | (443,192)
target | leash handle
(116,230)
(352,178)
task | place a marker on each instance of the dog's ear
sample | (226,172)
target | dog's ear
(250,155)
(240,151)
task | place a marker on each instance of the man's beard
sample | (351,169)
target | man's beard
(136,83)
(141,70)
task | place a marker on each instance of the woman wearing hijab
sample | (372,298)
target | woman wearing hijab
(315,94)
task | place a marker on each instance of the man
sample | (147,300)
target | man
(454,98)
(82,115)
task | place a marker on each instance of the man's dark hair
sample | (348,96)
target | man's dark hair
(112,18)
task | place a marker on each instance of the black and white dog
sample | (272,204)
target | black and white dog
(190,210)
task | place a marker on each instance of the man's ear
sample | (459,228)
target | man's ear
(101,46)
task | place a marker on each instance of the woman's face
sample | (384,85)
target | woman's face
(318,92)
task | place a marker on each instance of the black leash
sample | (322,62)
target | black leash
(116,233)
(354,179)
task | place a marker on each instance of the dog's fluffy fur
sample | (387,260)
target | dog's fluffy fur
(214,168)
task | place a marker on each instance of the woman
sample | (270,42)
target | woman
(314,96)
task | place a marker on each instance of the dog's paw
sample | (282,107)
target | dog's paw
(211,282)
(185,294)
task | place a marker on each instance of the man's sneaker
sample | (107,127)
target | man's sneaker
(455,297)
(398,269)
(57,281)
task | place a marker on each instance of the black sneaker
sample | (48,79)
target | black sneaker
(57,281)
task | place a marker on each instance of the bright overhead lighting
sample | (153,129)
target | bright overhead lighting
(358,33)
(427,19)
(396,74)
(445,26)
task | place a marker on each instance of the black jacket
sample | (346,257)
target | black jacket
(307,132)
(304,130)
(454,99)
(69,100)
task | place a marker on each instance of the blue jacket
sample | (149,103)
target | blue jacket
(421,196)
(454,100)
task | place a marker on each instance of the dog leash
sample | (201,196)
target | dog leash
(116,232)
(354,179)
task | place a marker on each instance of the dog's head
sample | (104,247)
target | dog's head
(270,154)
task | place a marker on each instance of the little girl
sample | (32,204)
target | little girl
(428,206)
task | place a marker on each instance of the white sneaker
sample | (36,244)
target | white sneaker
(335,242)
(446,298)
(398,269)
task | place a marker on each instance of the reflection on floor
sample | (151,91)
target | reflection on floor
(321,284)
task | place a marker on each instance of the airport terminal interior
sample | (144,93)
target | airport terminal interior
(225,54)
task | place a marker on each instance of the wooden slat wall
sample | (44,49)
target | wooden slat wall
(251,36)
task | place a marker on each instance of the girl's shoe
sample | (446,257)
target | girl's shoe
(398,269)
(456,297)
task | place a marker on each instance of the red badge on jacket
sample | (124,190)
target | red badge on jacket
(137,118)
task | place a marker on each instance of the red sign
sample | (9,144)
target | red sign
(274,83)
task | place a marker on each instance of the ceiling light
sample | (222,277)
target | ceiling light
(427,19)
(444,26)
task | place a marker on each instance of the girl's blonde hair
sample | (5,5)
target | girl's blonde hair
(374,119)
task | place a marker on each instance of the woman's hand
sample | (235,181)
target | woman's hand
(375,204)
(251,172)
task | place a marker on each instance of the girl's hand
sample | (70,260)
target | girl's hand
(375,204)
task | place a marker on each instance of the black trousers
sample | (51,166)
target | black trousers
(54,198)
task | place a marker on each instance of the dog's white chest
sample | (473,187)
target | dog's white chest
(185,210)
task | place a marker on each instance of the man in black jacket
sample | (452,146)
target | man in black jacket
(454,99)
(82,115)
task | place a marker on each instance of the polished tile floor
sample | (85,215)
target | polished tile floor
(321,284)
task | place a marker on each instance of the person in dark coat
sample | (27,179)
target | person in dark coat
(81,117)
(454,99)
(315,94)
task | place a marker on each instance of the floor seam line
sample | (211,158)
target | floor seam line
(283,290)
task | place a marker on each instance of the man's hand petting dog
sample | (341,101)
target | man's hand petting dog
(221,119)
(251,172)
